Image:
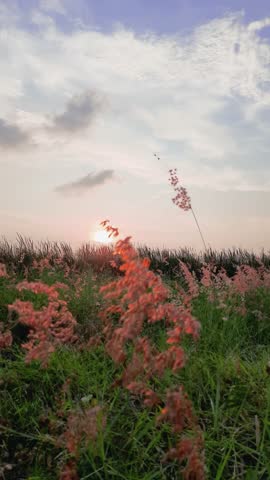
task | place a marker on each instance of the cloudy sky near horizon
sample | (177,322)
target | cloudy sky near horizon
(89,90)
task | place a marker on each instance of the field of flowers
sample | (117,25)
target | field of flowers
(131,363)
(121,370)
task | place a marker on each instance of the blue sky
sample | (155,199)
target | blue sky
(89,90)
(172,16)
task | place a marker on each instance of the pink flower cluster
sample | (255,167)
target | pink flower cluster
(3,270)
(231,293)
(42,264)
(50,326)
(181,200)
(5,338)
(134,300)
(179,413)
(82,426)
(49,263)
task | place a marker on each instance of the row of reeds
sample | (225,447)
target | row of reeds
(24,251)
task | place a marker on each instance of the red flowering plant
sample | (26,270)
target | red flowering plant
(3,270)
(178,411)
(51,265)
(232,294)
(48,327)
(5,334)
(136,299)
(82,428)
(182,200)
(5,337)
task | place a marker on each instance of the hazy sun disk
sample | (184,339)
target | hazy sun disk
(102,236)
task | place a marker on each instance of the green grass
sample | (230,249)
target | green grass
(225,376)
(129,447)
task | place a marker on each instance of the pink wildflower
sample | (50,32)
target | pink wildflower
(50,326)
(138,298)
(82,427)
(3,270)
(181,200)
(5,338)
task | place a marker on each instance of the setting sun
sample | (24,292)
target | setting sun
(102,236)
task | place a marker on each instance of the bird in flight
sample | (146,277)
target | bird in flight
(155,155)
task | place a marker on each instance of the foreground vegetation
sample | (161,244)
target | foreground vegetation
(91,403)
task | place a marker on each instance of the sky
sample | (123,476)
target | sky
(90,90)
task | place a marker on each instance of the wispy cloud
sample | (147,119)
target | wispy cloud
(85,183)
(79,113)
(259,24)
(11,135)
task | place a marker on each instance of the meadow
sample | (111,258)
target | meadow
(130,363)
(126,362)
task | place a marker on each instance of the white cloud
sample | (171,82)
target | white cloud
(197,100)
(259,24)
(164,91)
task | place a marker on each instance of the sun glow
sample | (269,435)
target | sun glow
(102,236)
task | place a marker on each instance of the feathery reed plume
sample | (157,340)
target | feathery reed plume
(136,299)
(48,327)
(182,199)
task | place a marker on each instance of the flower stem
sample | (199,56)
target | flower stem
(195,218)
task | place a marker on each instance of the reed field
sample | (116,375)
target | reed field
(133,363)
(122,361)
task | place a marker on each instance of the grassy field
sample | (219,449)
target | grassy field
(71,417)
(24,251)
